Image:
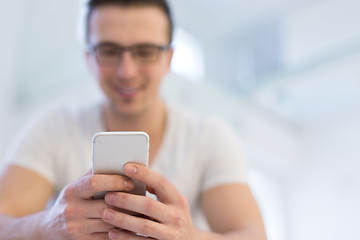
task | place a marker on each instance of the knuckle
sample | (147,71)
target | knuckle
(68,192)
(178,219)
(71,229)
(150,206)
(162,182)
(120,221)
(124,236)
(141,174)
(146,227)
(123,198)
(118,182)
(93,183)
(68,213)
(140,170)
(175,235)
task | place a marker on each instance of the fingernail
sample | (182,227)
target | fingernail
(129,184)
(110,198)
(113,234)
(130,169)
(109,215)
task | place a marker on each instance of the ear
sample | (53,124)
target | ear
(170,56)
(89,60)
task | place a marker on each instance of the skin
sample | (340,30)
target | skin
(125,27)
(230,209)
(144,109)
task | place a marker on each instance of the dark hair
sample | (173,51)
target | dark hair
(161,4)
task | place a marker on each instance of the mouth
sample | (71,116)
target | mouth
(127,92)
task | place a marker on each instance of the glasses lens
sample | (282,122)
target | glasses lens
(145,53)
(111,54)
(107,54)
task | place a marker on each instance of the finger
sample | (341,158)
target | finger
(94,226)
(164,189)
(88,185)
(115,234)
(100,236)
(92,208)
(140,204)
(138,225)
(85,209)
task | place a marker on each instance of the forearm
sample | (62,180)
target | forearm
(28,227)
(243,234)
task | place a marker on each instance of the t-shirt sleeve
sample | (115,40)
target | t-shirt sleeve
(33,148)
(224,161)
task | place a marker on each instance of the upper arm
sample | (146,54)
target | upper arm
(231,207)
(22,191)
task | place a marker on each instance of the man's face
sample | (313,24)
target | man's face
(131,87)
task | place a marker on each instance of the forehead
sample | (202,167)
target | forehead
(128,25)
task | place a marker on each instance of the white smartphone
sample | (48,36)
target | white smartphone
(112,150)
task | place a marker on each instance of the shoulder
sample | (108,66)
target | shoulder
(201,129)
(57,124)
(213,144)
(199,122)
(58,116)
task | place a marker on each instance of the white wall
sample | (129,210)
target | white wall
(41,61)
(320,31)
(305,174)
(321,50)
(11,23)
(323,197)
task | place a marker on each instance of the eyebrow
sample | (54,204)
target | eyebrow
(112,44)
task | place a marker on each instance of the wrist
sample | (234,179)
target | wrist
(205,235)
(28,227)
(34,226)
(41,226)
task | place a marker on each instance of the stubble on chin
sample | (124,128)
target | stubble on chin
(125,111)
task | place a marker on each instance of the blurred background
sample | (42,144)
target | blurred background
(284,73)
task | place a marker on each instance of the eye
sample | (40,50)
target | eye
(145,52)
(108,52)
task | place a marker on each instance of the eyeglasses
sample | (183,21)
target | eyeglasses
(111,53)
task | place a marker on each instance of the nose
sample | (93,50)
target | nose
(127,67)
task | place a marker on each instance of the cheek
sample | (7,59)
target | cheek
(148,72)
(105,73)
(155,73)
(152,78)
(104,78)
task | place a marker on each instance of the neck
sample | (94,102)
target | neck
(149,120)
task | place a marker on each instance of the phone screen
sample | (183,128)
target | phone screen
(112,150)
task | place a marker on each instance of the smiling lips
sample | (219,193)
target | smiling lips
(127,92)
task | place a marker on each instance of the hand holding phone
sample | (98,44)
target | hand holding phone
(112,150)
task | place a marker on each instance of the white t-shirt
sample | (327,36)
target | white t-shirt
(196,154)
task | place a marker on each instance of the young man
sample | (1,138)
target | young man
(196,168)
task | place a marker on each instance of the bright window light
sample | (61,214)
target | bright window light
(188,60)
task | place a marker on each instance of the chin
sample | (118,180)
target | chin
(128,111)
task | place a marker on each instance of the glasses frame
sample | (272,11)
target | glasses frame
(122,49)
